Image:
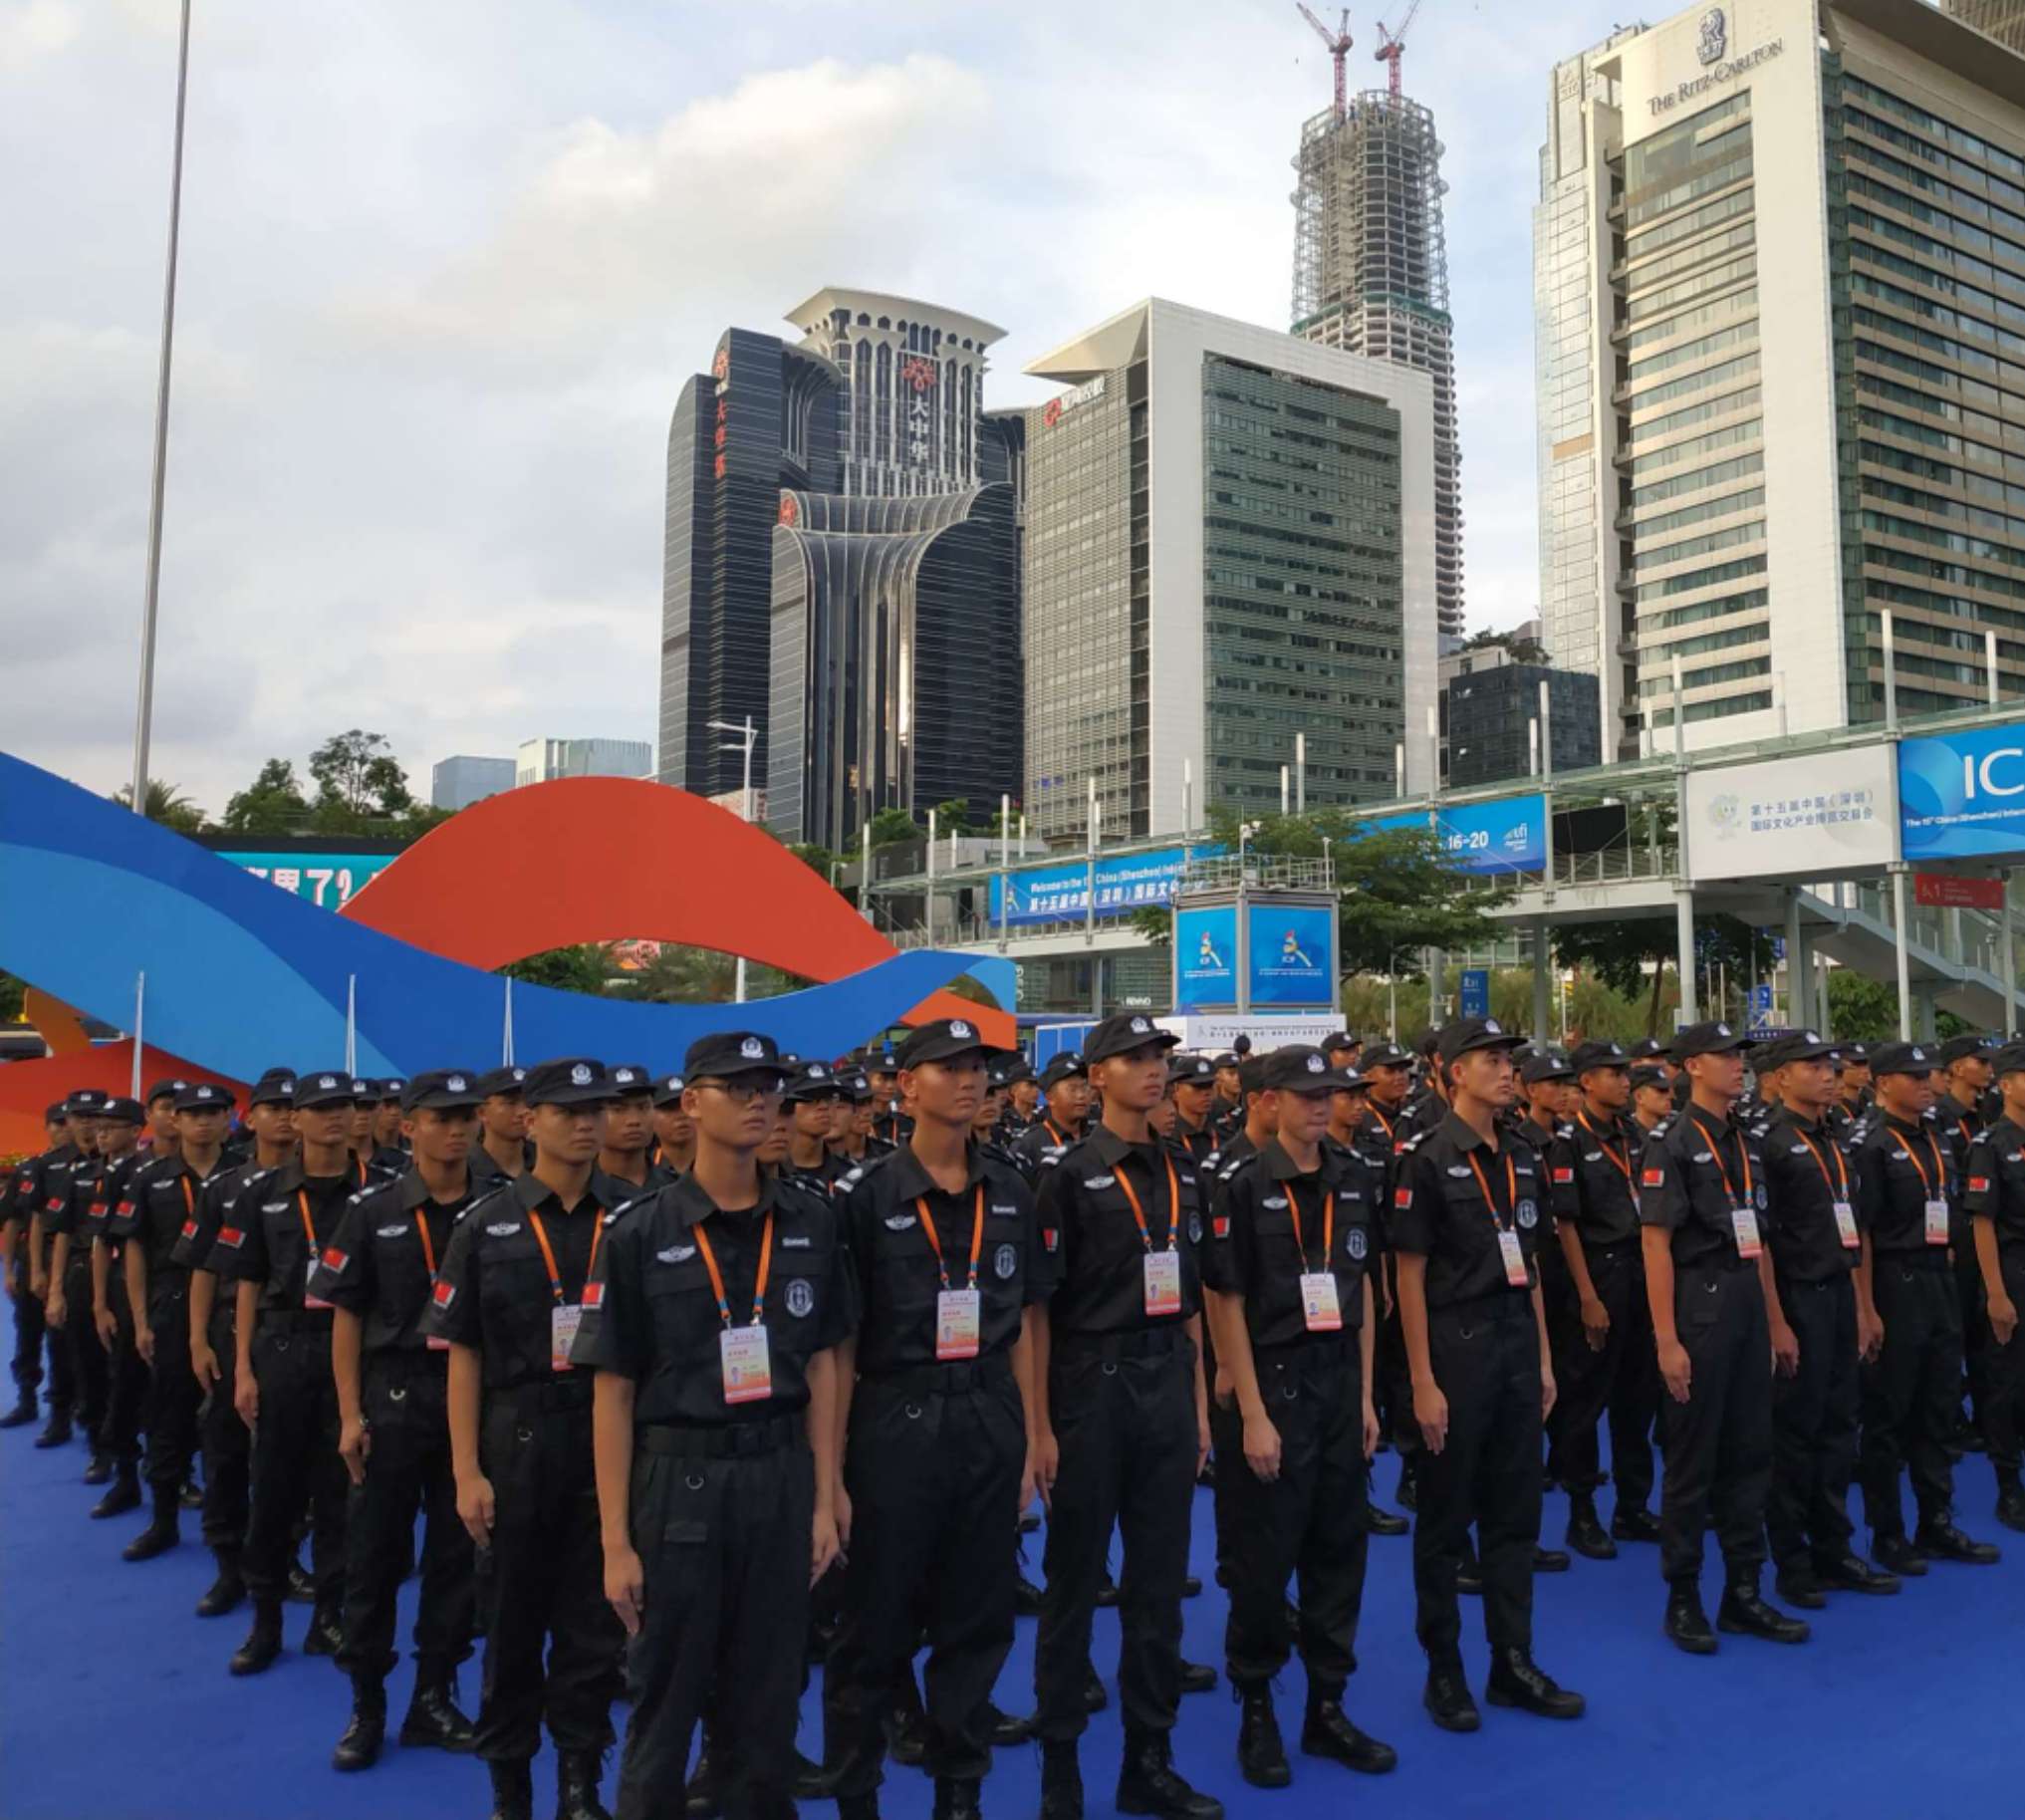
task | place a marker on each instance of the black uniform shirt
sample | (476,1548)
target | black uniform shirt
(101,1194)
(653,1315)
(1040,1145)
(65,1183)
(266,1243)
(1196,1144)
(38,1177)
(1959,1128)
(215,1209)
(1996,1180)
(1806,1173)
(1900,1167)
(1593,1169)
(615,1191)
(1088,1225)
(494,1292)
(381,1262)
(1697,1170)
(1270,1224)
(1439,1210)
(160,1202)
(895,1267)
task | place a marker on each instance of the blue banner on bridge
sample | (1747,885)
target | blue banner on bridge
(1124,883)
(1963,795)
(1509,835)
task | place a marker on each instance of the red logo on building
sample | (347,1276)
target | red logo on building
(1052,414)
(919,373)
(789,510)
(720,368)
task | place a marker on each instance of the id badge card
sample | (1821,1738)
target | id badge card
(1515,1259)
(1320,1307)
(1845,1225)
(1936,1223)
(746,1363)
(1163,1282)
(563,1319)
(956,1324)
(1745,1220)
(308,1274)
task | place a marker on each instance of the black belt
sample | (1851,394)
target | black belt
(1609,1247)
(294,1321)
(1141,1343)
(1811,1282)
(1309,1346)
(1493,1301)
(565,1390)
(769,1436)
(947,1378)
(1927,1257)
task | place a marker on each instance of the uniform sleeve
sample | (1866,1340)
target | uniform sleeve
(845,1308)
(1979,1192)
(1051,1197)
(1564,1200)
(454,1303)
(61,1188)
(343,1271)
(134,1189)
(616,1333)
(1227,1249)
(1867,1169)
(1416,1199)
(1663,1190)
(241,1245)
(1044,1272)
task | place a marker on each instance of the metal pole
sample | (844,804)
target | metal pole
(1900,913)
(2007,964)
(745,815)
(1532,748)
(1004,865)
(352,1023)
(1399,771)
(1796,964)
(506,1032)
(144,714)
(1683,898)
(1285,786)
(1991,663)
(1090,861)
(932,878)
(1546,732)
(139,1016)
(1891,695)
(1301,770)
(864,871)
(1542,1011)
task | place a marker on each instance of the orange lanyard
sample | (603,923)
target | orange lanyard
(1722,1169)
(541,1233)
(1382,1119)
(422,1232)
(189,1199)
(1174,1206)
(302,1197)
(1841,1168)
(1926,1186)
(1621,1163)
(935,1238)
(1328,1225)
(759,1284)
(1500,1221)
(1060,1141)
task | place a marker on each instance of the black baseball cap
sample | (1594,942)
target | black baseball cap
(943,1039)
(501,1083)
(1856,1055)
(124,1112)
(1468,1034)
(1905,1058)
(2008,1059)
(1062,1065)
(1340,1039)
(1124,1033)
(1651,1049)
(1961,1048)
(816,1081)
(725,1053)
(1299,1068)
(1191,1071)
(1643,1074)
(1797,1046)
(442,1090)
(1545,1066)
(668,1089)
(1385,1055)
(857,1086)
(205,1096)
(391,1088)
(366,1093)
(1707,1039)
(569,1081)
(166,1090)
(275,1088)
(83,1103)
(630,1079)
(1597,1054)
(55,1111)
(1226,1058)
(325,1087)
(1016,1068)
(1251,1075)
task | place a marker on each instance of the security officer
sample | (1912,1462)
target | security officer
(1911,1391)
(948,1256)
(500,1153)
(1066,1082)
(856,1145)
(284,1390)
(1995,1200)
(1652,1098)
(120,1182)
(509,1297)
(1023,1096)
(1816,1246)
(1960,1090)
(813,1094)
(1226,1111)
(378,1273)
(675,1132)
(213,1335)
(625,1170)
(1602,1328)
(24,1197)
(1388,1072)
(1718,1325)
(110,1132)
(388,1151)
(1858,1094)
(116,1441)
(711,1321)
(1122,1422)
(148,1221)
(1283,1274)
(74,1386)
(1193,1083)
(891,1123)
(1466,1207)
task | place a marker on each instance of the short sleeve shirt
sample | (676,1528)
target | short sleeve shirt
(1696,1171)
(276,1233)
(1996,1180)
(381,1262)
(1271,1224)
(1092,1202)
(1453,1196)
(1900,1167)
(162,1201)
(1805,1174)
(1593,1170)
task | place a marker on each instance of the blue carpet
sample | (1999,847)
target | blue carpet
(115,1702)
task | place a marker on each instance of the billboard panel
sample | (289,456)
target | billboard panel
(1124,883)
(1291,959)
(1206,958)
(1795,818)
(1963,795)
(328,879)
(1509,835)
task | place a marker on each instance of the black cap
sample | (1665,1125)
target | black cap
(1191,1071)
(505,1081)
(668,1089)
(2008,1059)
(1430,1041)
(1959,1048)
(1545,1066)
(366,1093)
(1468,1034)
(442,1090)
(1340,1039)
(939,1041)
(275,1088)
(1016,1068)
(1905,1058)
(1251,1075)
(1651,1049)
(1298,1068)
(996,1074)
(1124,1033)
(1061,1065)
(815,1081)
(568,1081)
(1643,1074)
(1597,1054)
(878,1058)
(630,1079)
(83,1103)
(725,1053)
(325,1087)
(1854,1055)
(205,1096)
(1707,1039)
(1797,1046)
(1385,1055)
(857,1086)
(1227,1058)
(55,1111)
(166,1090)
(124,1112)
(392,1088)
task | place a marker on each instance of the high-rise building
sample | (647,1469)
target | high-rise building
(457,783)
(1779,278)
(2003,20)
(540,760)
(1371,275)
(811,489)
(1490,714)
(1229,542)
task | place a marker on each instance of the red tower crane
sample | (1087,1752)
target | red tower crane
(1337,42)
(1393,48)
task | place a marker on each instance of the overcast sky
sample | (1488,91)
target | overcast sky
(446,265)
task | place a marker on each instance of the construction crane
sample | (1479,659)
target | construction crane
(1337,42)
(1393,48)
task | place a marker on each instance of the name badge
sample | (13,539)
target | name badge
(1936,1223)
(1515,1260)
(1319,1305)
(563,1319)
(308,1274)
(956,1324)
(1745,1220)
(1163,1282)
(1845,1225)
(746,1364)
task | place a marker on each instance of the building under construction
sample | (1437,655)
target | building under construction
(1371,271)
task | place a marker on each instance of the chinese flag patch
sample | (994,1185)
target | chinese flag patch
(1979,1184)
(1562,1176)
(189,1228)
(334,1261)
(125,1210)
(1402,1198)
(1653,1178)
(1221,1223)
(1050,1238)
(443,1295)
(231,1236)
(594,1295)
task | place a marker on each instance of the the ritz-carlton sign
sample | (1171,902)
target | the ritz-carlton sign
(1718,67)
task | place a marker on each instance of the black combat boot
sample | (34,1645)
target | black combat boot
(1149,1782)
(1261,1756)
(1061,1781)
(512,1790)
(578,1773)
(432,1720)
(162,1533)
(359,1748)
(227,1589)
(263,1643)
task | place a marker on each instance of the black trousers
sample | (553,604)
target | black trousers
(1813,1425)
(933,1470)
(1911,1391)
(31,1329)
(126,1379)
(2004,1378)
(1392,1389)
(173,1400)
(1486,1359)
(228,1441)
(1975,1317)
(407,1469)
(1621,1381)
(1123,1410)
(541,1582)
(295,1461)
(1309,1524)
(1718,1444)
(90,1369)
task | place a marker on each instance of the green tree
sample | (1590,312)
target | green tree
(272,804)
(819,860)
(953,816)
(357,772)
(585,968)
(167,804)
(1861,1009)
(892,826)
(12,992)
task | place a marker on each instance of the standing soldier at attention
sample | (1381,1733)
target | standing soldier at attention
(1995,1200)
(1066,1082)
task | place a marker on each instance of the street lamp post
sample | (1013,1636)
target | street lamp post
(748,736)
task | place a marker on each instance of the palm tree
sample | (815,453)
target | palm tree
(167,804)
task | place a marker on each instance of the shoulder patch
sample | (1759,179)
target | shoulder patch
(504,1229)
(1099,1182)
